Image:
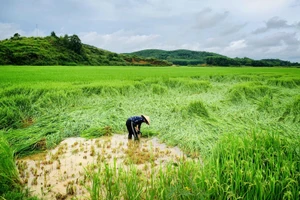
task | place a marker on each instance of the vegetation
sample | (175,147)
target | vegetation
(177,57)
(187,57)
(70,51)
(242,124)
(66,50)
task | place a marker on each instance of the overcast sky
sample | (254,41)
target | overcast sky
(256,29)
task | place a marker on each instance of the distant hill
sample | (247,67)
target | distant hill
(187,57)
(67,50)
(177,57)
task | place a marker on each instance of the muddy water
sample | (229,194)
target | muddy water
(59,173)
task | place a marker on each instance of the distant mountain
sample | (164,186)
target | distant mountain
(67,50)
(187,57)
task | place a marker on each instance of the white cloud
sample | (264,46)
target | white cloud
(225,27)
(120,41)
(8,30)
(236,45)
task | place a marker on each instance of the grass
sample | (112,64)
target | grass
(242,122)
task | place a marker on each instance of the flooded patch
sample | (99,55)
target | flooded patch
(61,173)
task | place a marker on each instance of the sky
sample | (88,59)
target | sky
(257,29)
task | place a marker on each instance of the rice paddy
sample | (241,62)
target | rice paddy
(62,172)
(216,133)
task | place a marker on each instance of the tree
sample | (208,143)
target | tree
(75,44)
(16,36)
(53,34)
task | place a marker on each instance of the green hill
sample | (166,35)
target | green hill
(187,57)
(67,50)
(177,57)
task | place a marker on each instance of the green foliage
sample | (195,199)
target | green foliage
(187,57)
(66,50)
(221,61)
(177,57)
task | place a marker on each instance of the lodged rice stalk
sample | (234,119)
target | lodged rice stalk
(9,175)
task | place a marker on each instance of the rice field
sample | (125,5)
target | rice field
(237,130)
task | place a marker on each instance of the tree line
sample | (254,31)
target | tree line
(225,61)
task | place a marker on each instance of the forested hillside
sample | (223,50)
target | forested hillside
(187,57)
(67,50)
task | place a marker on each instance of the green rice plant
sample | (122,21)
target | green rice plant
(53,103)
(9,117)
(105,183)
(218,78)
(149,133)
(292,110)
(260,165)
(56,99)
(265,104)
(197,108)
(247,91)
(158,89)
(287,82)
(9,176)
(14,110)
(89,90)
(172,82)
(197,86)
(296,81)
(132,184)
(97,132)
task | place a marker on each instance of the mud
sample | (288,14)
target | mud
(60,173)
